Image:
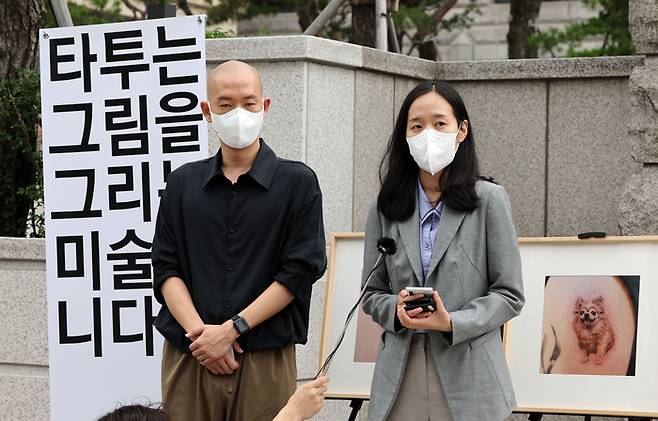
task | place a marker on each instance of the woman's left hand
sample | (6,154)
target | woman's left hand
(417,319)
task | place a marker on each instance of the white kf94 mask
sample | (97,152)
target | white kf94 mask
(237,128)
(433,150)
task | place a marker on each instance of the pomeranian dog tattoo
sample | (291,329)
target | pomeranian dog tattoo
(593,328)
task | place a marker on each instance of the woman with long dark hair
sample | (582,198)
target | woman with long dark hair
(440,359)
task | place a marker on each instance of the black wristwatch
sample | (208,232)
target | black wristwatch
(240,324)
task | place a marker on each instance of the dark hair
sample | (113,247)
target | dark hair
(398,172)
(136,413)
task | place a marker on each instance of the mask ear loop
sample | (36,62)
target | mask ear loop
(459,129)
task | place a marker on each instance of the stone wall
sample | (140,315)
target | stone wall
(24,326)
(553,132)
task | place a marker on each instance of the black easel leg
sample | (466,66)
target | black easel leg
(536,416)
(588,418)
(356,407)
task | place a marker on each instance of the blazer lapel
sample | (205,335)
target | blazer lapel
(450,222)
(410,234)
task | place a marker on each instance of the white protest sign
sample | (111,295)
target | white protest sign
(120,108)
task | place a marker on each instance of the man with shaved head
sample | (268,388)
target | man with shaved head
(239,242)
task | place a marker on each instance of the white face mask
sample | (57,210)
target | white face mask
(433,150)
(237,128)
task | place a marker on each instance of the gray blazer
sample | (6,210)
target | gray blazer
(476,269)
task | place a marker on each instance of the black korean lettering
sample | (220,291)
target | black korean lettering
(124,143)
(166,170)
(131,270)
(149,318)
(66,338)
(98,328)
(163,42)
(115,52)
(146,192)
(178,118)
(86,211)
(117,336)
(56,59)
(166,58)
(79,270)
(84,146)
(128,138)
(180,102)
(166,80)
(111,117)
(95,262)
(87,59)
(166,102)
(112,46)
(188,142)
(125,71)
(127,186)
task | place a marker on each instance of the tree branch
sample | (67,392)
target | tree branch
(184,7)
(442,10)
(135,9)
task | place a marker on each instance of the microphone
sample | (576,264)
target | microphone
(385,246)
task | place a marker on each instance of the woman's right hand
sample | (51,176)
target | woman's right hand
(403,297)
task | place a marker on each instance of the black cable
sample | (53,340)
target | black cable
(327,361)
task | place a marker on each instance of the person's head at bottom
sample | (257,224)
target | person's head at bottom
(302,405)
(136,413)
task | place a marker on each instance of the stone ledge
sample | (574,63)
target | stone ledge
(23,370)
(555,68)
(341,54)
(22,248)
(284,48)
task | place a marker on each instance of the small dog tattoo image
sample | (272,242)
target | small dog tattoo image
(593,328)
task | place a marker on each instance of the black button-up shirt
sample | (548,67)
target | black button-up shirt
(229,242)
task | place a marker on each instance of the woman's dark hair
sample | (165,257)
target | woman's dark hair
(398,172)
(136,413)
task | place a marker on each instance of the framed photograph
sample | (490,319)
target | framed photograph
(583,343)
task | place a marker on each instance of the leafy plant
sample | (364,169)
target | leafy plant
(421,20)
(611,24)
(21,180)
(240,9)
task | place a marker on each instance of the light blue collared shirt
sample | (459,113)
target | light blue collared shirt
(429,224)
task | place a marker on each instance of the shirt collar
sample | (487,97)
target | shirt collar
(262,170)
(425,207)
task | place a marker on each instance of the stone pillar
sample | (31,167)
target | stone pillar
(639,201)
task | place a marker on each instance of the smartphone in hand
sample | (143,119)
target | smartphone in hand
(426,302)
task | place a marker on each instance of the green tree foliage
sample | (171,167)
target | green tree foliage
(240,9)
(21,191)
(421,20)
(611,24)
(97,11)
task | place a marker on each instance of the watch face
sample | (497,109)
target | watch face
(241,325)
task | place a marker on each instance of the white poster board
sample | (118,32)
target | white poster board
(120,110)
(623,273)
(350,376)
